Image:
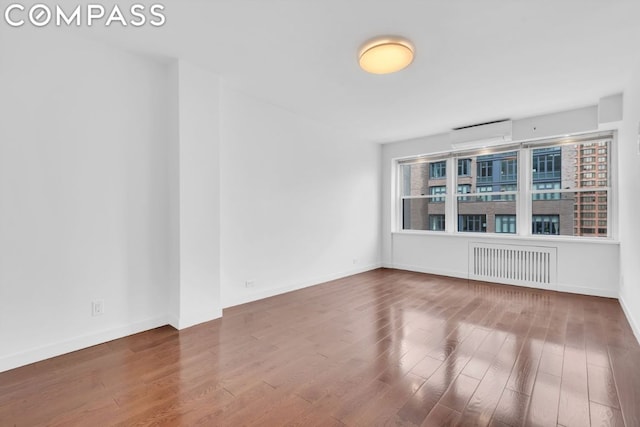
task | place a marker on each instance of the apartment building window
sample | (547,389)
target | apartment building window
(434,191)
(546,163)
(509,188)
(464,167)
(472,223)
(484,189)
(506,224)
(546,186)
(436,222)
(438,170)
(464,189)
(546,224)
(508,169)
(568,189)
(485,170)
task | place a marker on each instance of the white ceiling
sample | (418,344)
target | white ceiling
(476,60)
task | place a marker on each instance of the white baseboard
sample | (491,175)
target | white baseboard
(635,325)
(243,299)
(437,272)
(608,293)
(37,354)
(194,319)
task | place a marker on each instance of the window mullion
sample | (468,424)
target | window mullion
(523,202)
(451,199)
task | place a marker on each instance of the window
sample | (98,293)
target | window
(495,192)
(464,167)
(506,224)
(546,186)
(485,170)
(546,224)
(568,190)
(510,187)
(418,203)
(575,192)
(440,189)
(485,189)
(472,223)
(508,169)
(464,189)
(546,164)
(436,222)
(438,170)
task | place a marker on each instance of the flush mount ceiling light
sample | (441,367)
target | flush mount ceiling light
(384,55)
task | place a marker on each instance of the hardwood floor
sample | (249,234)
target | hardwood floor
(385,347)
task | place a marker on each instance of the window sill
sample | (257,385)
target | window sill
(515,237)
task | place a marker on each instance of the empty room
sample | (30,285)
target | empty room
(320,213)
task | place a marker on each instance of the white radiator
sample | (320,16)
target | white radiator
(534,266)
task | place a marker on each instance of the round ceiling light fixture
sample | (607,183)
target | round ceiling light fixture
(384,55)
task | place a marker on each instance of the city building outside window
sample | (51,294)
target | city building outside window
(472,223)
(546,224)
(438,170)
(464,189)
(440,189)
(464,167)
(506,224)
(436,222)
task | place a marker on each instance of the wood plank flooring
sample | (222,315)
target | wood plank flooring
(386,347)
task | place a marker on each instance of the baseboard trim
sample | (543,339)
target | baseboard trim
(635,327)
(608,293)
(435,271)
(38,354)
(267,293)
(193,320)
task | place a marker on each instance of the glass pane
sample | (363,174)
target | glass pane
(464,167)
(422,214)
(497,169)
(582,165)
(416,178)
(438,170)
(498,212)
(570,214)
(506,224)
(475,223)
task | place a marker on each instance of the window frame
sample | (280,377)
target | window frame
(525,190)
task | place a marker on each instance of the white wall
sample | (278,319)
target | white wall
(448,254)
(195,196)
(300,202)
(589,269)
(629,163)
(83,195)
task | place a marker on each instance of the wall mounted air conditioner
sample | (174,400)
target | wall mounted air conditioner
(481,135)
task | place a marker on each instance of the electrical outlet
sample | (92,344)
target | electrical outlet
(249,283)
(355,261)
(97,308)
